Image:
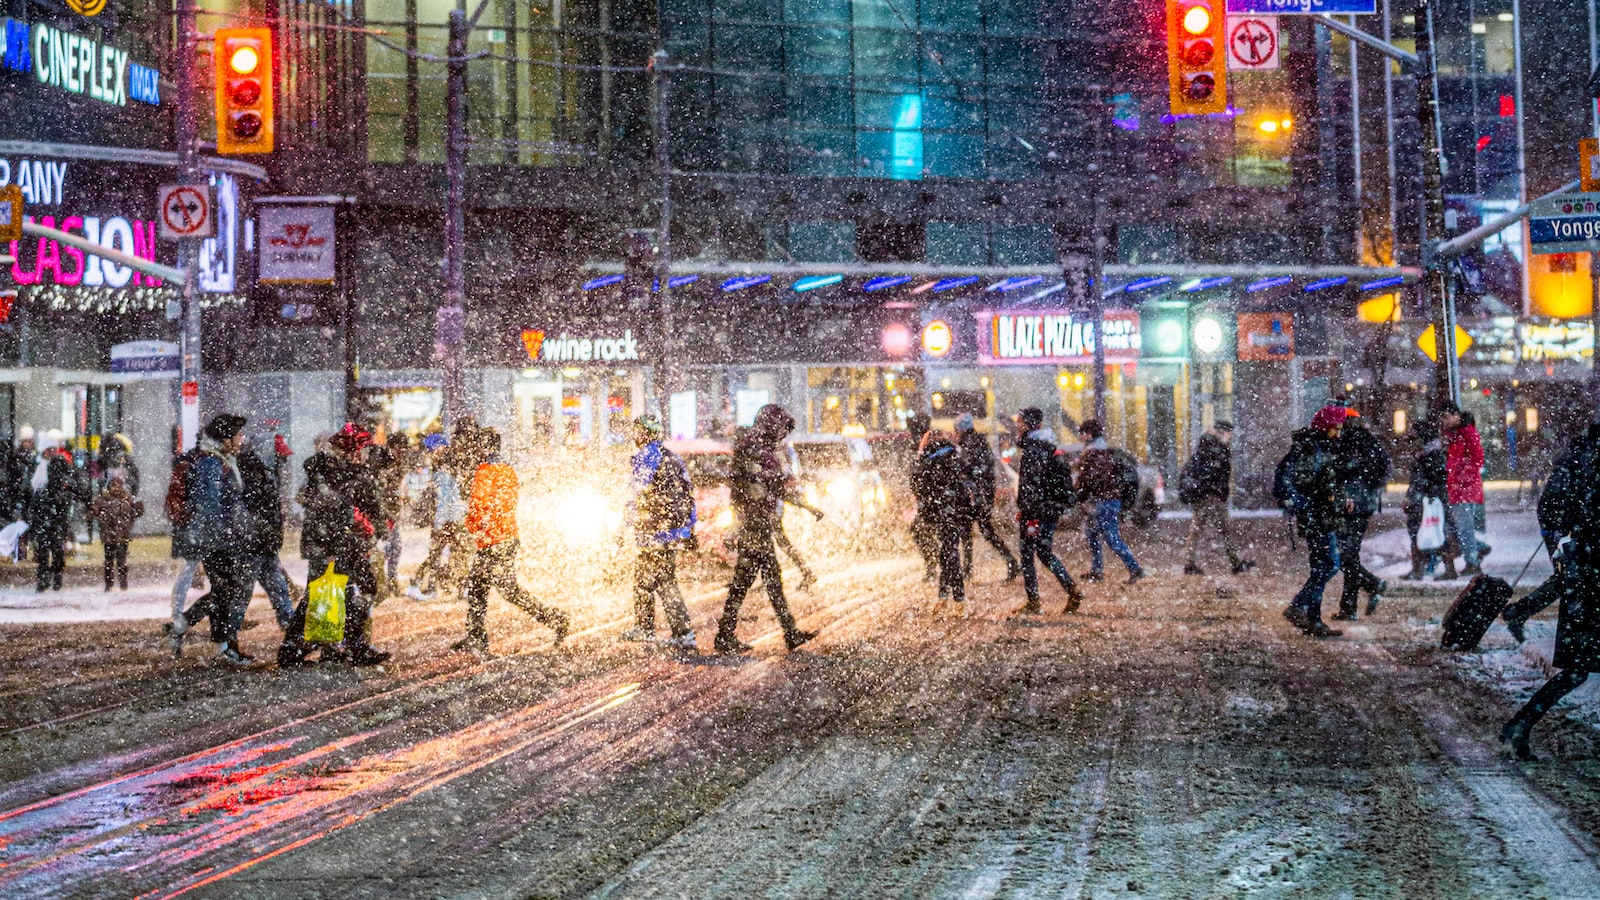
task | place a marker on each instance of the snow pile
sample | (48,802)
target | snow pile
(1515,672)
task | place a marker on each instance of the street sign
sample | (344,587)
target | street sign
(145,360)
(1429,344)
(1304,7)
(1589,164)
(1569,223)
(186,211)
(297,245)
(1252,42)
(10,214)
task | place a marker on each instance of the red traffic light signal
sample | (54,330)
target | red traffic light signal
(1197,69)
(243,59)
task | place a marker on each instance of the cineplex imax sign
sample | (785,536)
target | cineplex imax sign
(77,64)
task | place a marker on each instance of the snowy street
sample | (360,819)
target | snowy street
(1164,741)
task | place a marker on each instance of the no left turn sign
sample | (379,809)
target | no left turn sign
(1252,42)
(186,211)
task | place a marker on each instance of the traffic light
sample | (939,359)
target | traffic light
(244,90)
(1197,59)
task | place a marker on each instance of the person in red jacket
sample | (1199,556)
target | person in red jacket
(1463,485)
(492,520)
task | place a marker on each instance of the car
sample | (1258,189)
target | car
(837,476)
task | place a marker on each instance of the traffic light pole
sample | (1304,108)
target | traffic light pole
(1436,289)
(671,380)
(1097,297)
(188,248)
(450,328)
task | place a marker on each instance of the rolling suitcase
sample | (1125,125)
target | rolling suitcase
(1474,611)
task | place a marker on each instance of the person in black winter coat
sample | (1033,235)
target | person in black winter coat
(940,483)
(344,520)
(1363,473)
(924,533)
(1560,511)
(1205,484)
(1313,478)
(1044,493)
(977,460)
(1577,651)
(56,485)
(1427,483)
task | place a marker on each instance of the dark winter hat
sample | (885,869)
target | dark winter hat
(1031,417)
(773,421)
(225,427)
(918,424)
(1091,428)
(1223,425)
(351,437)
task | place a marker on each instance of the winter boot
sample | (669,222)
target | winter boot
(1514,739)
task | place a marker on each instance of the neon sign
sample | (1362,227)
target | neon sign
(78,64)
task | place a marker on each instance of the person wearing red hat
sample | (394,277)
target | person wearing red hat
(1312,477)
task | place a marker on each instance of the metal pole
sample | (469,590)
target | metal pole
(1522,149)
(188,250)
(1394,171)
(1436,294)
(670,378)
(1355,148)
(1097,302)
(451,326)
(1594,62)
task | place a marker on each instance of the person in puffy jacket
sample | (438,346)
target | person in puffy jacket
(344,519)
(217,531)
(662,514)
(1464,482)
(492,521)
(1312,470)
(1099,487)
(758,481)
(1044,494)
(977,460)
(115,511)
(1427,483)
(1363,472)
(940,484)
(54,486)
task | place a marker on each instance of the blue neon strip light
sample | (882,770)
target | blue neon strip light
(1013,284)
(1145,283)
(1269,283)
(1206,284)
(602,281)
(743,281)
(887,281)
(950,284)
(1382,283)
(1326,283)
(816,281)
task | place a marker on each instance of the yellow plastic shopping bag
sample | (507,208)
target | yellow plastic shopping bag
(325,608)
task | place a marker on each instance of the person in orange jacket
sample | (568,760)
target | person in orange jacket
(492,520)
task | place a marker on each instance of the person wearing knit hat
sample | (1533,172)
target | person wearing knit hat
(1310,474)
(662,517)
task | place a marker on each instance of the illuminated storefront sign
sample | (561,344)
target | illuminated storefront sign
(78,64)
(1557,342)
(565,349)
(1054,337)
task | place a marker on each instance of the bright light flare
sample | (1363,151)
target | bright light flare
(584,515)
(724,519)
(841,488)
(244,60)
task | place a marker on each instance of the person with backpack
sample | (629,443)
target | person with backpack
(758,480)
(1205,484)
(1363,474)
(1427,483)
(978,462)
(1576,553)
(344,518)
(662,514)
(1307,487)
(1044,494)
(939,481)
(1103,477)
(492,520)
(115,511)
